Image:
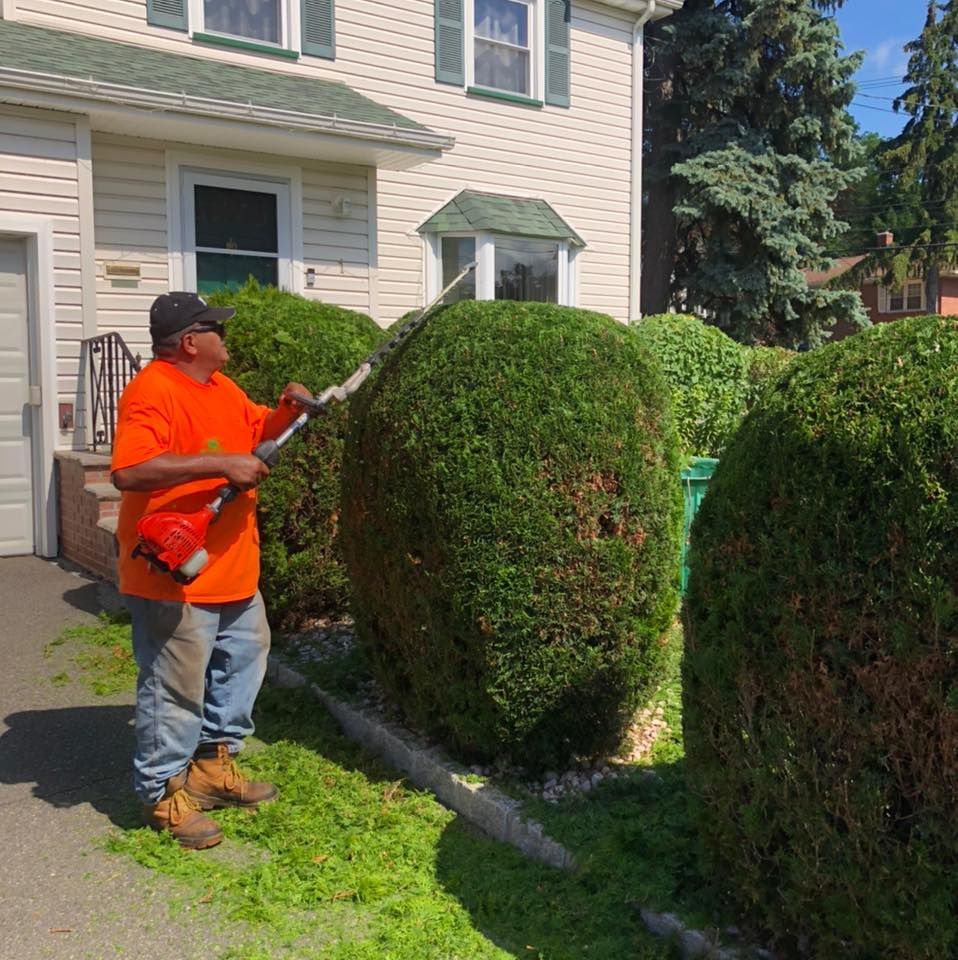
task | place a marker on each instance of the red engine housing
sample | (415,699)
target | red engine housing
(168,540)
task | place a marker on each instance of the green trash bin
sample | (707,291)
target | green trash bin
(695,481)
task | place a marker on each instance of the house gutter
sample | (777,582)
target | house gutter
(183,103)
(635,200)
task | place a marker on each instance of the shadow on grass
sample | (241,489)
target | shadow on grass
(633,844)
(632,840)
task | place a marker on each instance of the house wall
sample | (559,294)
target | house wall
(578,159)
(40,175)
(130,192)
(947,305)
(948,289)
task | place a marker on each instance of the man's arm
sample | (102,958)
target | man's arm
(243,470)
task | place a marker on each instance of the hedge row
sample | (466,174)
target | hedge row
(713,380)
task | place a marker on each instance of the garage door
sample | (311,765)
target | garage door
(16,463)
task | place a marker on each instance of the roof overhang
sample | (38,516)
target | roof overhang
(663,8)
(185,118)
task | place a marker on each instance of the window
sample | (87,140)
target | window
(527,270)
(284,28)
(259,20)
(235,228)
(509,268)
(505,48)
(456,253)
(502,45)
(263,22)
(909,297)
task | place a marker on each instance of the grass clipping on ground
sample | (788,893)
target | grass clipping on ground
(101,652)
(353,863)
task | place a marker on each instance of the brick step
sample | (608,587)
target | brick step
(88,507)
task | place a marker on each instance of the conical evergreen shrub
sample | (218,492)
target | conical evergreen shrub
(511,522)
(821,664)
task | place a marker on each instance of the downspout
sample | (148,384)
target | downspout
(635,200)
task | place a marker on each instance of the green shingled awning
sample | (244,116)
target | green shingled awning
(79,65)
(472,210)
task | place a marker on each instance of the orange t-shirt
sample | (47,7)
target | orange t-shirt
(163,410)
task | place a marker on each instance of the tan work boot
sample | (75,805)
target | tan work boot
(214,780)
(180,815)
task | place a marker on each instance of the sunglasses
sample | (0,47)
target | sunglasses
(218,328)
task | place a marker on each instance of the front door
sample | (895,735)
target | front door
(16,457)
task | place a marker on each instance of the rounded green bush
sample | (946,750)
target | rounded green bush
(707,373)
(511,523)
(274,339)
(821,665)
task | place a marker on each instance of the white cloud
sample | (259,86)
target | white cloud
(885,53)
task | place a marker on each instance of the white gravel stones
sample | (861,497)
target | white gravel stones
(331,640)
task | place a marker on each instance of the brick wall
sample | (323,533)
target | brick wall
(87,516)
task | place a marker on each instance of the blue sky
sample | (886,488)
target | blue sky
(880,28)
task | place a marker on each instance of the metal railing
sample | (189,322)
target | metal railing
(111,367)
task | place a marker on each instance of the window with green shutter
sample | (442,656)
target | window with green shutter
(513,50)
(283,28)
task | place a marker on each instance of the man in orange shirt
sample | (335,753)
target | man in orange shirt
(183,429)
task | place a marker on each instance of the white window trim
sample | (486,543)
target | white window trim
(537,29)
(887,293)
(566,280)
(289,25)
(290,237)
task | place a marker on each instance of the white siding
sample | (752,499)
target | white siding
(130,226)
(578,159)
(38,175)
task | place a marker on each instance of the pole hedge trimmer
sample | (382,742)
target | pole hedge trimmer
(174,542)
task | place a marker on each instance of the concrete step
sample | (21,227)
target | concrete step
(108,524)
(103,491)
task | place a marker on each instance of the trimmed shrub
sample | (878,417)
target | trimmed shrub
(707,373)
(276,338)
(511,523)
(821,665)
(765,365)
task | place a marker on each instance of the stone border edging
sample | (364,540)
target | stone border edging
(488,808)
(492,811)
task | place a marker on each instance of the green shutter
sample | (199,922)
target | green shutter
(167,13)
(319,28)
(450,36)
(558,14)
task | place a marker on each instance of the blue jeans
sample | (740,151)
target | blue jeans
(200,669)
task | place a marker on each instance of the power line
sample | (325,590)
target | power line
(881,207)
(924,103)
(896,246)
(869,106)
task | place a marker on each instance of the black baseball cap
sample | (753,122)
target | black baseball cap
(175,311)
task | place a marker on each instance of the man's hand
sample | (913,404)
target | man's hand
(243,470)
(287,410)
(286,398)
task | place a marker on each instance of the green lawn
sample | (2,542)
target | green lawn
(352,862)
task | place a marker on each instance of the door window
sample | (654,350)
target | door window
(236,229)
